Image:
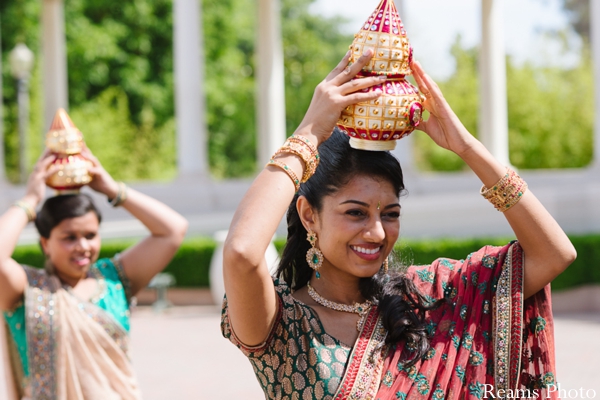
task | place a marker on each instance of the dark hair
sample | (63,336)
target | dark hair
(57,209)
(402,306)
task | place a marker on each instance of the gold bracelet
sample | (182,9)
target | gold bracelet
(305,150)
(121,195)
(288,171)
(310,165)
(29,210)
(507,192)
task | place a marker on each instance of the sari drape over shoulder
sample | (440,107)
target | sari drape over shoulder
(74,349)
(486,341)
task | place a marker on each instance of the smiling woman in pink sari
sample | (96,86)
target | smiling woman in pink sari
(68,324)
(337,322)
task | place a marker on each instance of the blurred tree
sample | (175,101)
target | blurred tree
(550,114)
(462,92)
(19,20)
(229,85)
(579,16)
(313,46)
(127,44)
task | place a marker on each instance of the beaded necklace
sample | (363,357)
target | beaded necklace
(362,309)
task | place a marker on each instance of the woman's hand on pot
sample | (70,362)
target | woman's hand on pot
(101,180)
(336,92)
(36,183)
(443,126)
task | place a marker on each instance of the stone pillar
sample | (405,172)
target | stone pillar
(270,96)
(54,58)
(493,113)
(405,147)
(595,39)
(190,113)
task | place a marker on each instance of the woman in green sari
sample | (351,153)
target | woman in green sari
(335,323)
(68,323)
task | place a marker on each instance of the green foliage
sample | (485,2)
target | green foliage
(550,114)
(127,151)
(462,92)
(229,35)
(313,46)
(127,44)
(120,68)
(578,12)
(19,23)
(190,266)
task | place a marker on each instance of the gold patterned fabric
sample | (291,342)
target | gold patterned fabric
(486,341)
(299,360)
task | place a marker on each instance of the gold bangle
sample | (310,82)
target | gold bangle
(507,192)
(28,208)
(288,171)
(305,150)
(121,195)
(489,193)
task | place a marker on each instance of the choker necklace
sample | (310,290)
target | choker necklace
(361,309)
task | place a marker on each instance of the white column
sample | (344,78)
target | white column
(190,111)
(270,97)
(493,113)
(595,39)
(404,149)
(54,60)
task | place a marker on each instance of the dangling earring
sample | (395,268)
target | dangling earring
(48,266)
(314,257)
(386,267)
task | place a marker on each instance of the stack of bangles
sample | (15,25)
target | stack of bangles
(302,148)
(120,197)
(506,192)
(28,208)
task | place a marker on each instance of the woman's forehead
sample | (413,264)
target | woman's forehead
(88,221)
(366,188)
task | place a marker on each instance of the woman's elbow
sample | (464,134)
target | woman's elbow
(178,231)
(239,254)
(569,256)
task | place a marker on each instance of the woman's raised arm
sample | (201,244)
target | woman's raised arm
(252,302)
(144,260)
(548,250)
(12,277)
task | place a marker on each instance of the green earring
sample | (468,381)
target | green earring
(314,257)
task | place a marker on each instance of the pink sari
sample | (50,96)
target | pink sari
(486,342)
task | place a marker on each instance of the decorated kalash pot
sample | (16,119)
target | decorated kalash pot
(377,124)
(65,141)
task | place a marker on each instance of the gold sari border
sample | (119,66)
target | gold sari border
(508,322)
(361,379)
(41,317)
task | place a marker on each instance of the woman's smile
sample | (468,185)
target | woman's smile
(367,252)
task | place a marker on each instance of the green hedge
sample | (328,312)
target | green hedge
(190,266)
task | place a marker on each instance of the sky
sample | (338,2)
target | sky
(433,26)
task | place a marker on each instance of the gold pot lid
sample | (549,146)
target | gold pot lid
(63,137)
(384,33)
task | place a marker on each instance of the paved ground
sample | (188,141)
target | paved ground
(182,355)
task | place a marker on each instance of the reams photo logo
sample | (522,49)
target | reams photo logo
(581,393)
